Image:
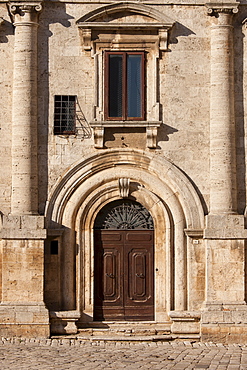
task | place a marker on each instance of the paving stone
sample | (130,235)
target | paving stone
(67,354)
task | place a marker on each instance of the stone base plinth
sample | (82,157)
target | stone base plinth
(223,333)
(24,320)
(64,322)
(185,322)
(25,330)
(224,323)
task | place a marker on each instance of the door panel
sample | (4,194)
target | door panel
(111,275)
(124,275)
(137,236)
(137,275)
(108,264)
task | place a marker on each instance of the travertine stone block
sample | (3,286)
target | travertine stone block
(225,227)
(24,320)
(225,271)
(22,270)
(23,227)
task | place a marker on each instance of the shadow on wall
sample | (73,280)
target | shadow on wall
(6,29)
(179,30)
(163,133)
(239,110)
(52,13)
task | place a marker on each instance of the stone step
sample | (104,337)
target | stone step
(132,338)
(125,329)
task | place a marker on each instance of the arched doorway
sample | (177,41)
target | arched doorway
(124,262)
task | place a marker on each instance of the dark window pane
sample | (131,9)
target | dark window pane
(54,247)
(134,83)
(115,85)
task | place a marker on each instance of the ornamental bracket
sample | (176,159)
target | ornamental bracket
(124,187)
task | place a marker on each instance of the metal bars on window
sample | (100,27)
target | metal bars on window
(64,114)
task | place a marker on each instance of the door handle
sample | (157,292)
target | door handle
(140,276)
(110,275)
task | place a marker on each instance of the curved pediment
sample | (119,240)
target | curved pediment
(124,17)
(125,13)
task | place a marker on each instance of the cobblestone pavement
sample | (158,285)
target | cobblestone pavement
(76,354)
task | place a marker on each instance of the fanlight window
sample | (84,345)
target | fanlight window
(125,215)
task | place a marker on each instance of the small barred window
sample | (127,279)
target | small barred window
(64,114)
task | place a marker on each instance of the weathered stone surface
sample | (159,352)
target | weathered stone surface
(185,162)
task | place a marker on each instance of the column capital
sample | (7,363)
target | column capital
(25,12)
(214,8)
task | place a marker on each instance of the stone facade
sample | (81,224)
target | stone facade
(184,161)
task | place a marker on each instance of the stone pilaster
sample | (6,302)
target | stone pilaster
(22,234)
(223,194)
(225,307)
(24,109)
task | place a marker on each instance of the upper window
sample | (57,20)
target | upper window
(64,114)
(124,86)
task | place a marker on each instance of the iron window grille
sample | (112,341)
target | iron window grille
(124,86)
(64,114)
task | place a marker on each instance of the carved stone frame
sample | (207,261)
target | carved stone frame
(103,29)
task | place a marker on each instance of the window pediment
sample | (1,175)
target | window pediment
(106,13)
(122,18)
(126,29)
(126,17)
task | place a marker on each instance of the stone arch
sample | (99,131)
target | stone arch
(174,186)
(159,186)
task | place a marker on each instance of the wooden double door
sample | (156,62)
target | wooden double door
(124,275)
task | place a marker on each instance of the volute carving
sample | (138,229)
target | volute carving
(25,12)
(226,8)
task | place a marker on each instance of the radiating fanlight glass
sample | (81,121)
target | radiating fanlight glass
(124,214)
